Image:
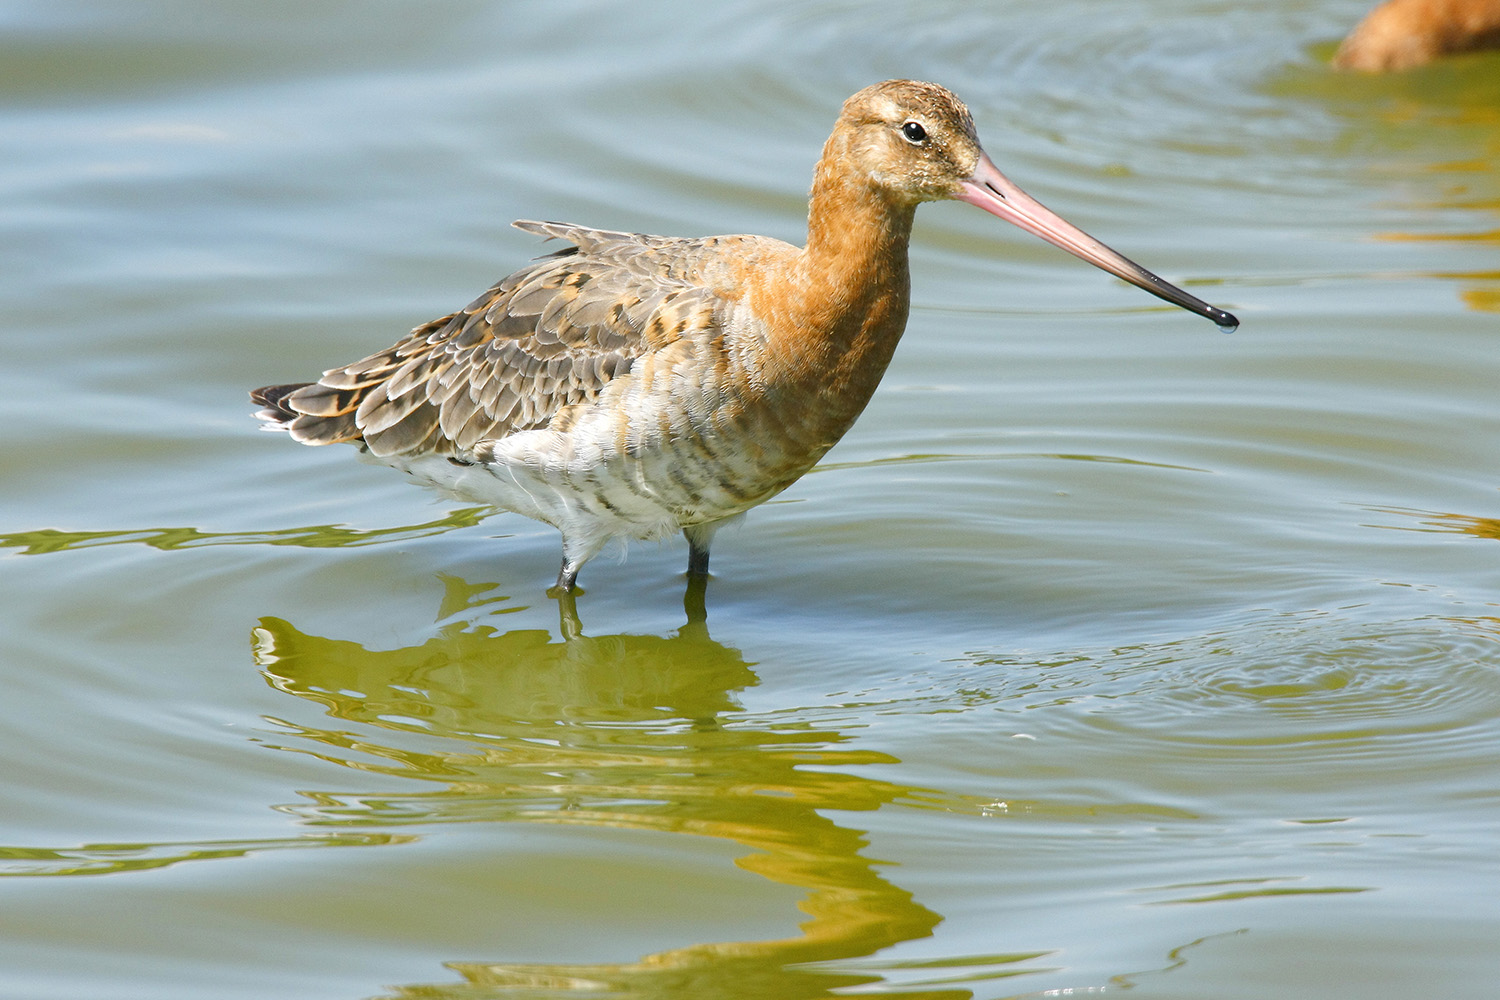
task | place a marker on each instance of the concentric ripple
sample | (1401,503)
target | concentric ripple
(1316,683)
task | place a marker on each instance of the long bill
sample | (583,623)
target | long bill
(992,191)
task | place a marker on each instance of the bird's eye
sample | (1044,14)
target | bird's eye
(914,132)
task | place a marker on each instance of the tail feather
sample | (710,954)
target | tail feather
(277,413)
(280,411)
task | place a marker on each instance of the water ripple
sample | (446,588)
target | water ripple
(1317,683)
(45,541)
(112,859)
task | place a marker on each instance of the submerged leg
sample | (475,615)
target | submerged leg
(569,627)
(693,599)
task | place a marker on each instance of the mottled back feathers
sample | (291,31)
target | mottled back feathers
(543,339)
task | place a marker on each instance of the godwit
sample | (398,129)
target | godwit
(632,386)
(1402,34)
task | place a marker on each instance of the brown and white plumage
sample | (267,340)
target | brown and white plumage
(635,386)
(547,337)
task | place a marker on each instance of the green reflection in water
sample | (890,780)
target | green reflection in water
(109,859)
(1438,522)
(1228,890)
(626,731)
(1452,105)
(317,536)
(997,457)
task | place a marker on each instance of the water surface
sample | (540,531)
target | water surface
(1106,653)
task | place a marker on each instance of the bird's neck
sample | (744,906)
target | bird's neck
(857,241)
(844,298)
(855,228)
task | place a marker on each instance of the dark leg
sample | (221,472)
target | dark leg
(567,577)
(699,536)
(697,560)
(567,616)
(575,552)
(693,602)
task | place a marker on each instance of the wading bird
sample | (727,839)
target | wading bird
(632,386)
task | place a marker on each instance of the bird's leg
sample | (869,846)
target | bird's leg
(697,560)
(569,626)
(576,552)
(568,575)
(693,602)
(699,536)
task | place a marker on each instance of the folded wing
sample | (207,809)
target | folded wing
(548,337)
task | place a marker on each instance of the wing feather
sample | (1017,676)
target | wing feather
(549,336)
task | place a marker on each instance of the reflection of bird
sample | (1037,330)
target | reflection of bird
(1401,34)
(628,732)
(635,386)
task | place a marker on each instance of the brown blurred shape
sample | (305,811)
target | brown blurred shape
(1401,34)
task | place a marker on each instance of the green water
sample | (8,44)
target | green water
(1106,654)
